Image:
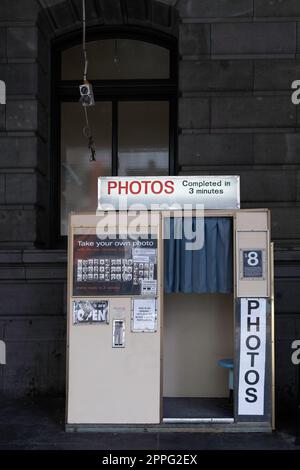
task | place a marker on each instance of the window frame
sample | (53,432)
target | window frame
(108,90)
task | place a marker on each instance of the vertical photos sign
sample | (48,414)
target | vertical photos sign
(251,393)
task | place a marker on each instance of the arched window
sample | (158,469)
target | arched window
(134,120)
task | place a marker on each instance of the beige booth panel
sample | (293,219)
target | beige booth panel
(109,385)
(253,287)
(113,385)
(247,220)
(252,233)
(198,331)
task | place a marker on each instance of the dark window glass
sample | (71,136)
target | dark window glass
(78,175)
(143,139)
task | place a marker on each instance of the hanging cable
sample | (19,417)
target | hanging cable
(86,62)
(116,57)
(87,133)
(86,91)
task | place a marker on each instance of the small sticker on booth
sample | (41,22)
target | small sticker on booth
(90,311)
(148,287)
(144,255)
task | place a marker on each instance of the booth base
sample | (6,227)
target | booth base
(172,427)
(192,407)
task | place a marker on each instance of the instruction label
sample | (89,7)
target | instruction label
(144,315)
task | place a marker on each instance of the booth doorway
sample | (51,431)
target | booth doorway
(198,332)
(198,325)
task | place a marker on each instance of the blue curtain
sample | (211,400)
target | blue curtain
(205,270)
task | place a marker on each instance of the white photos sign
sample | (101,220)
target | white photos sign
(252,356)
(168,192)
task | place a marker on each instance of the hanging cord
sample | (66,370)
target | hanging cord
(86,130)
(86,62)
(88,134)
(116,57)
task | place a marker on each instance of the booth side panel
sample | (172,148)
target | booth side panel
(69,292)
(106,384)
(253,319)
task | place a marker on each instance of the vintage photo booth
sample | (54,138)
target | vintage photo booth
(166,338)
